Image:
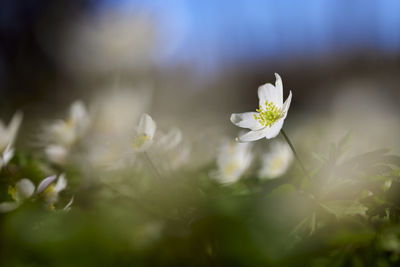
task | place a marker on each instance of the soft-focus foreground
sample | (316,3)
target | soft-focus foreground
(109,185)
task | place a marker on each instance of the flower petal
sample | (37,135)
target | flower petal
(13,127)
(25,189)
(8,206)
(79,117)
(286,105)
(253,135)
(170,140)
(61,183)
(45,183)
(274,129)
(77,111)
(268,92)
(7,154)
(246,120)
(69,204)
(279,88)
(56,153)
(147,125)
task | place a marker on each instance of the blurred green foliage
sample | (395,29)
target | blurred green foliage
(347,214)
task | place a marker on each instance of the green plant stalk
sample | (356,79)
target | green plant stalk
(152,166)
(295,153)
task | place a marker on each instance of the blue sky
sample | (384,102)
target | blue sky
(213,33)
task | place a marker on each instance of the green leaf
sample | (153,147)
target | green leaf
(343,208)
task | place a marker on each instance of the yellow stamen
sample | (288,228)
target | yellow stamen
(140,140)
(231,168)
(276,164)
(12,191)
(268,115)
(49,192)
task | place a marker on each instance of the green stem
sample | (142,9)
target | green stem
(295,153)
(152,166)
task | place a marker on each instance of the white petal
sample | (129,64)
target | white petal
(8,206)
(45,183)
(286,105)
(268,92)
(62,133)
(279,88)
(77,111)
(274,129)
(169,140)
(80,118)
(147,125)
(25,189)
(253,135)
(7,154)
(56,153)
(276,161)
(13,127)
(246,120)
(69,204)
(61,183)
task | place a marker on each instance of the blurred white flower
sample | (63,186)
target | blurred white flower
(7,138)
(67,132)
(50,189)
(165,142)
(144,133)
(276,161)
(233,160)
(56,153)
(113,124)
(171,149)
(63,134)
(24,189)
(268,119)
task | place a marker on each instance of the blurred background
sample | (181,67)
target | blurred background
(190,64)
(202,60)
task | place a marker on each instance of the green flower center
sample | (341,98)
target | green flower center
(268,115)
(140,140)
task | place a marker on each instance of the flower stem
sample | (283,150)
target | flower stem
(295,153)
(152,166)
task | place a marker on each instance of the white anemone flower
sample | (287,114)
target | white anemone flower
(49,188)
(268,119)
(7,138)
(144,133)
(25,189)
(67,132)
(233,160)
(63,134)
(276,161)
